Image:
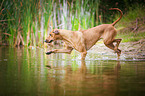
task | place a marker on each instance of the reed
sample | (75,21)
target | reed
(28,22)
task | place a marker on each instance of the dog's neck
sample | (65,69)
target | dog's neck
(64,33)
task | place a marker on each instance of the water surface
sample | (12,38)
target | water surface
(29,72)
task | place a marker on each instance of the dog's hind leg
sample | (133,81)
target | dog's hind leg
(83,55)
(118,51)
(116,46)
(110,45)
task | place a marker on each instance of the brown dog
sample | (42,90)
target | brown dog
(84,40)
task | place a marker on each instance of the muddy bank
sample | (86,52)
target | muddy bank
(129,49)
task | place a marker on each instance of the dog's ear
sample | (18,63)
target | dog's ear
(56,32)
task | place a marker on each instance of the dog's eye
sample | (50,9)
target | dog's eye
(49,34)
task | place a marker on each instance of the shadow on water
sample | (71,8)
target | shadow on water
(29,72)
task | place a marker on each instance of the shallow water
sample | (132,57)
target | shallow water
(29,72)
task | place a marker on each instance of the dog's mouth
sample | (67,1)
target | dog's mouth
(50,41)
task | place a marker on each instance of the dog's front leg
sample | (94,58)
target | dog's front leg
(68,51)
(83,55)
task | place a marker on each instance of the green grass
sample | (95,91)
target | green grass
(133,12)
(131,37)
(128,23)
(33,19)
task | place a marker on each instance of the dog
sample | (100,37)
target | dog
(85,39)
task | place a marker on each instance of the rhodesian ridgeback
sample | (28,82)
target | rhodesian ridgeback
(84,40)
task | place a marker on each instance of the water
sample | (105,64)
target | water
(29,72)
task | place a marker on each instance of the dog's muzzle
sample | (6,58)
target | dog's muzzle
(48,41)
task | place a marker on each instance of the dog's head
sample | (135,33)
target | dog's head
(54,35)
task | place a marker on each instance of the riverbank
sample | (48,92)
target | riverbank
(134,50)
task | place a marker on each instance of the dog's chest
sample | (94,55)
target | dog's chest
(68,43)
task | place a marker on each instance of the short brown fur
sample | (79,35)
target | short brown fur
(84,40)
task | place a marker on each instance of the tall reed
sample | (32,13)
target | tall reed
(28,22)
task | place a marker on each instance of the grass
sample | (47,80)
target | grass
(29,22)
(132,37)
(128,23)
(133,12)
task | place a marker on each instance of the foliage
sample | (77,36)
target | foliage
(130,37)
(133,12)
(29,22)
(132,24)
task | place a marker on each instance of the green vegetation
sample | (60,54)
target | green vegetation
(130,37)
(131,27)
(28,22)
(133,12)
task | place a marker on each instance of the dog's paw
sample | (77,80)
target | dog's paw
(118,51)
(49,52)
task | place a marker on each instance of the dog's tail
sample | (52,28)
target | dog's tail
(119,17)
